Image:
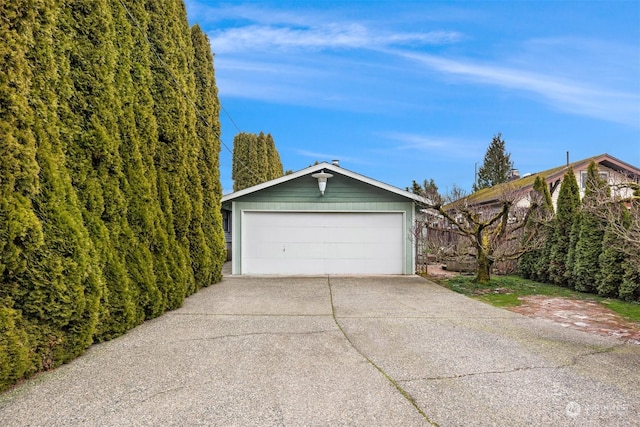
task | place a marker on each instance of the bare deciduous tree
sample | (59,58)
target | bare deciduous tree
(500,232)
(618,205)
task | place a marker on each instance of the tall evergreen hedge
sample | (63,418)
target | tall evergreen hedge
(109,185)
(589,244)
(566,212)
(255,160)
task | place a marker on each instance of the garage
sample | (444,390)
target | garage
(323,219)
(323,243)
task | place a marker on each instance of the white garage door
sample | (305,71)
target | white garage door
(322,243)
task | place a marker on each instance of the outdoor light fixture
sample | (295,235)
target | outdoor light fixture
(322,180)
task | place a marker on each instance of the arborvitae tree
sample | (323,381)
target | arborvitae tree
(566,212)
(63,301)
(589,245)
(630,286)
(21,233)
(611,263)
(245,161)
(275,164)
(208,128)
(255,160)
(263,165)
(570,262)
(136,126)
(166,34)
(527,264)
(541,264)
(496,166)
(93,153)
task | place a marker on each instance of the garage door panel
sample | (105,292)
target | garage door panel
(283,266)
(285,250)
(322,243)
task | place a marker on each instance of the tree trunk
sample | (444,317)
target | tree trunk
(483,273)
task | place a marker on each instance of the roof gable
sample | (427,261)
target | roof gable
(327,167)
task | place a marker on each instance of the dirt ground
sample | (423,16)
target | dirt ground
(588,316)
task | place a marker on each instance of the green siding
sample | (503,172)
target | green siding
(340,188)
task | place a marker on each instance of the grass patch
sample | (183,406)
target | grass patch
(504,291)
(628,310)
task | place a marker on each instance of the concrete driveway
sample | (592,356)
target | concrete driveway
(319,351)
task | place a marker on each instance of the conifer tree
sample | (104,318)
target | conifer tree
(589,244)
(208,129)
(137,138)
(262,166)
(496,166)
(255,160)
(21,233)
(630,286)
(567,210)
(174,138)
(527,264)
(92,151)
(574,237)
(275,164)
(611,261)
(245,161)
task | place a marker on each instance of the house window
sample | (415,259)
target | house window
(604,175)
(226,221)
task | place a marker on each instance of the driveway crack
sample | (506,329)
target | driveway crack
(574,360)
(398,387)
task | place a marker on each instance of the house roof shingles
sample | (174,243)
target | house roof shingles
(525,184)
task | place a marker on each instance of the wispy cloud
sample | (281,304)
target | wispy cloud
(561,92)
(348,35)
(424,143)
(294,56)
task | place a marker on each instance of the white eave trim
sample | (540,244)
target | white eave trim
(328,167)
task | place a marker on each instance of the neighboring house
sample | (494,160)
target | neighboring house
(286,226)
(613,170)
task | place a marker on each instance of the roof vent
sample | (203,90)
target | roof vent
(335,162)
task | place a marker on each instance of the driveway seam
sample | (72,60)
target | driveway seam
(402,391)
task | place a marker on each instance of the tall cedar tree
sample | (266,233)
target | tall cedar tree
(589,245)
(611,261)
(208,129)
(174,139)
(527,262)
(275,164)
(145,208)
(245,161)
(92,152)
(567,208)
(496,166)
(68,286)
(630,286)
(137,134)
(255,160)
(21,233)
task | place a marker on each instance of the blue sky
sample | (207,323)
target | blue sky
(413,90)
